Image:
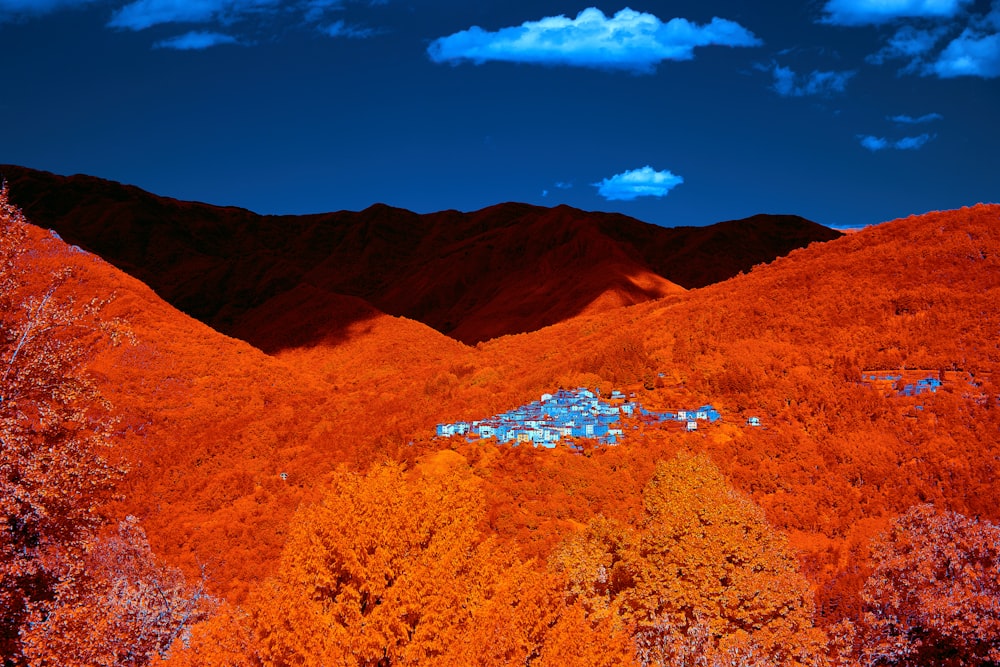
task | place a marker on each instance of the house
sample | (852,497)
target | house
(692,426)
(753,421)
(447,430)
(926,385)
(708,413)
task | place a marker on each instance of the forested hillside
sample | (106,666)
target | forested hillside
(295,508)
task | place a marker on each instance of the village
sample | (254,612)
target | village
(582,413)
(973,385)
(905,383)
(572,414)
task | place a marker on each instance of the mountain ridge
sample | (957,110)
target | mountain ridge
(507,268)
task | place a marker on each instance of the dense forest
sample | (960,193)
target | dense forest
(175,496)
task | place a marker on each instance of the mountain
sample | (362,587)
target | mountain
(789,343)
(225,444)
(506,269)
(217,434)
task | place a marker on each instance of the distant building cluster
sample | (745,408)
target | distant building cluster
(924,382)
(881,377)
(925,385)
(577,414)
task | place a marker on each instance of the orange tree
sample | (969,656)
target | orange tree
(934,597)
(389,569)
(55,433)
(704,580)
(127,608)
(394,567)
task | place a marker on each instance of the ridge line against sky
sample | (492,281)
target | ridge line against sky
(844,79)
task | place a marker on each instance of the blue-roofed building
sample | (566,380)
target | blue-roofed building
(926,385)
(707,413)
(458,428)
(579,414)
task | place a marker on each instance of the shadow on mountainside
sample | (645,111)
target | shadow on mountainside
(283,282)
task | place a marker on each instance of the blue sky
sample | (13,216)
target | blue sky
(848,112)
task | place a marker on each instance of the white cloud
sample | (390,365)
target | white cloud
(875,144)
(239,17)
(559,185)
(970,54)
(629,40)
(912,143)
(873,12)
(645,182)
(315,9)
(911,120)
(908,43)
(195,41)
(344,29)
(11,9)
(142,14)
(974,52)
(789,84)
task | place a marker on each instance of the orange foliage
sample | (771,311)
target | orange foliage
(226,442)
(121,607)
(223,640)
(934,597)
(56,433)
(393,568)
(361,576)
(704,575)
(575,641)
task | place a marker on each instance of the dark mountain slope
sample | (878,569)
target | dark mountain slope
(700,256)
(505,269)
(223,442)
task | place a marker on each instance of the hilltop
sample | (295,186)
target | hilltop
(509,268)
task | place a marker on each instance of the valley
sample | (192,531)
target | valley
(278,429)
